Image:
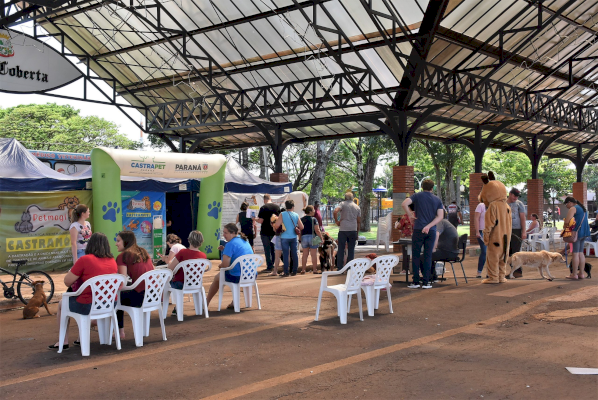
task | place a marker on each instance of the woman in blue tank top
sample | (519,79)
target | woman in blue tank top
(579,212)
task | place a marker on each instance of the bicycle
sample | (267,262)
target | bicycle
(26,283)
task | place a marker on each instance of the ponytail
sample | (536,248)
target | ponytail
(570,199)
(232,228)
(78,212)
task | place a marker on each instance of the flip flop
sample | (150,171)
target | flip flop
(55,347)
(570,277)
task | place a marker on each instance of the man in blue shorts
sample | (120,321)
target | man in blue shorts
(429,211)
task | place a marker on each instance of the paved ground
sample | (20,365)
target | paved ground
(469,341)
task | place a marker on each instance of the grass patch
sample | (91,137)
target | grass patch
(332,230)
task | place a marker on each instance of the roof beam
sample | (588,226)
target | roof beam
(369,117)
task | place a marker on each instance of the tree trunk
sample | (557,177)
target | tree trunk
(263,163)
(458,189)
(244,157)
(323,156)
(366,189)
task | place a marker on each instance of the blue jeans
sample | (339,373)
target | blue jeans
(289,244)
(268,251)
(423,262)
(345,237)
(80,253)
(482,259)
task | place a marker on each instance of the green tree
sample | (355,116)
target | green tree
(59,128)
(557,175)
(590,175)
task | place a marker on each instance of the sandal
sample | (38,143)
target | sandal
(56,347)
(303,272)
(571,277)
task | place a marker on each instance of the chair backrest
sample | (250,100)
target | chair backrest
(249,264)
(384,266)
(388,219)
(155,282)
(194,270)
(357,269)
(103,292)
(462,244)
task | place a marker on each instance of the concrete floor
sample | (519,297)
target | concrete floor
(512,340)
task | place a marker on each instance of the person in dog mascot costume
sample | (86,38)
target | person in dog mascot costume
(497,230)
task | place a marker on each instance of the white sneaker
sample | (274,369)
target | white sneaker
(414,286)
(428,286)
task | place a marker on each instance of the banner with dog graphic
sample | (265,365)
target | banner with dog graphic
(34,226)
(139,209)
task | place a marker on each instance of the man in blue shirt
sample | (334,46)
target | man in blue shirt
(429,212)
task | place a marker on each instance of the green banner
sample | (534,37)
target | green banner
(209,212)
(34,226)
(105,176)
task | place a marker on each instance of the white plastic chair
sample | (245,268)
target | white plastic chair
(384,231)
(103,294)
(539,239)
(343,292)
(590,245)
(155,282)
(384,267)
(249,265)
(193,284)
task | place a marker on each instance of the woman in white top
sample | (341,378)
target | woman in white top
(174,244)
(80,231)
(535,226)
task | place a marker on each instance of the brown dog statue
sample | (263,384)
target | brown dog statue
(39,298)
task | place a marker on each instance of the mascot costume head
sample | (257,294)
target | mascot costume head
(497,230)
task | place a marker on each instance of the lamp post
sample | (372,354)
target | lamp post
(420,181)
(553,195)
(379,190)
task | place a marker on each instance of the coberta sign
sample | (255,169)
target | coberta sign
(28,65)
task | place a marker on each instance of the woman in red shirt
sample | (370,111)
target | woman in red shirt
(97,261)
(133,261)
(192,253)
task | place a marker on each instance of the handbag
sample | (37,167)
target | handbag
(573,237)
(315,239)
(297,230)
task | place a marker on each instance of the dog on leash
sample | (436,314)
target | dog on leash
(326,253)
(540,260)
(39,298)
(587,268)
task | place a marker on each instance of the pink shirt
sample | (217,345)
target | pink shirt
(481,208)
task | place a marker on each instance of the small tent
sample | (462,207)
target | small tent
(20,171)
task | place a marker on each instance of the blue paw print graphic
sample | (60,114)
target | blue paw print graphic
(217,234)
(115,236)
(208,249)
(110,211)
(214,210)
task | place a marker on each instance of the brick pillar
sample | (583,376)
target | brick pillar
(402,187)
(535,198)
(580,192)
(279,177)
(475,187)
